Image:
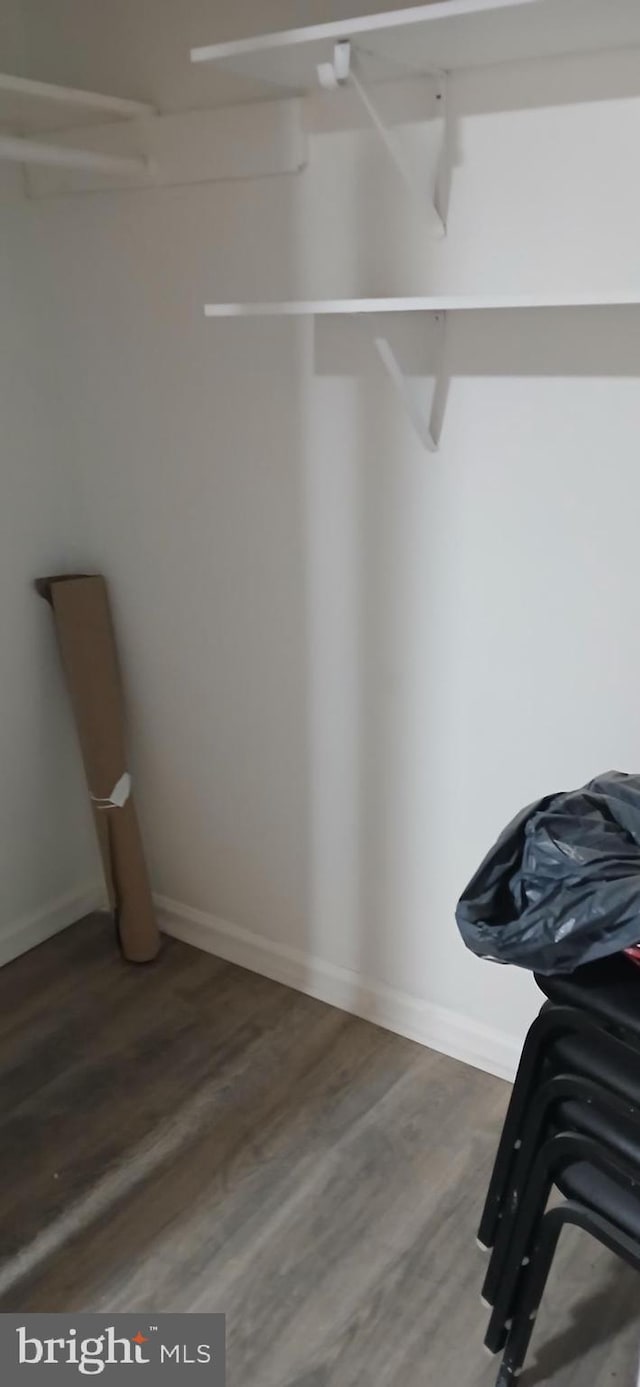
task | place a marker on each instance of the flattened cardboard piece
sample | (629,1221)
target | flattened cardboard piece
(87,643)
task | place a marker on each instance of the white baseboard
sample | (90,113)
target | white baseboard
(23,934)
(437,1027)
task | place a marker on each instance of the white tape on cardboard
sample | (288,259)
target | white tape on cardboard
(119,794)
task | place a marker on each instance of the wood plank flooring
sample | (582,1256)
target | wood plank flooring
(190,1136)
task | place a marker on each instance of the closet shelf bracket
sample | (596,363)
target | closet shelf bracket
(345,70)
(427,424)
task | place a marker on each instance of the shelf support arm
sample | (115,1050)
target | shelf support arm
(342,71)
(426,425)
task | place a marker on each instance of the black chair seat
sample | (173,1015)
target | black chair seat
(574,1116)
(601,1193)
(609,989)
(580,1054)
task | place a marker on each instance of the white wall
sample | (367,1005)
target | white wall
(350,663)
(46,853)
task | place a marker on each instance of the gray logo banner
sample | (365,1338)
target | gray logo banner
(171,1350)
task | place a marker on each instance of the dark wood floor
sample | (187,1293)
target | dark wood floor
(190,1136)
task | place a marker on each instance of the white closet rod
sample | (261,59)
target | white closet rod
(22,151)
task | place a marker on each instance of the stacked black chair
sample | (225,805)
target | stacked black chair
(573,1123)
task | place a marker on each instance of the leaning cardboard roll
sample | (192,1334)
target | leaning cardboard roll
(82,614)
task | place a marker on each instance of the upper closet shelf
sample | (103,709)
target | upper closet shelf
(28,107)
(434,303)
(38,106)
(443,35)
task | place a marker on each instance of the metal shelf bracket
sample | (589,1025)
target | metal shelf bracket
(345,70)
(428,426)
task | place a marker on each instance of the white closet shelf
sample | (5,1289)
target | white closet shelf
(289,57)
(435,303)
(26,105)
(426,424)
(445,34)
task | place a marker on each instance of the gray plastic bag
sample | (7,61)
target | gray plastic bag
(561,887)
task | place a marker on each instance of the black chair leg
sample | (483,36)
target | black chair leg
(534,1283)
(531,1294)
(550,1092)
(567,1148)
(549,1026)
